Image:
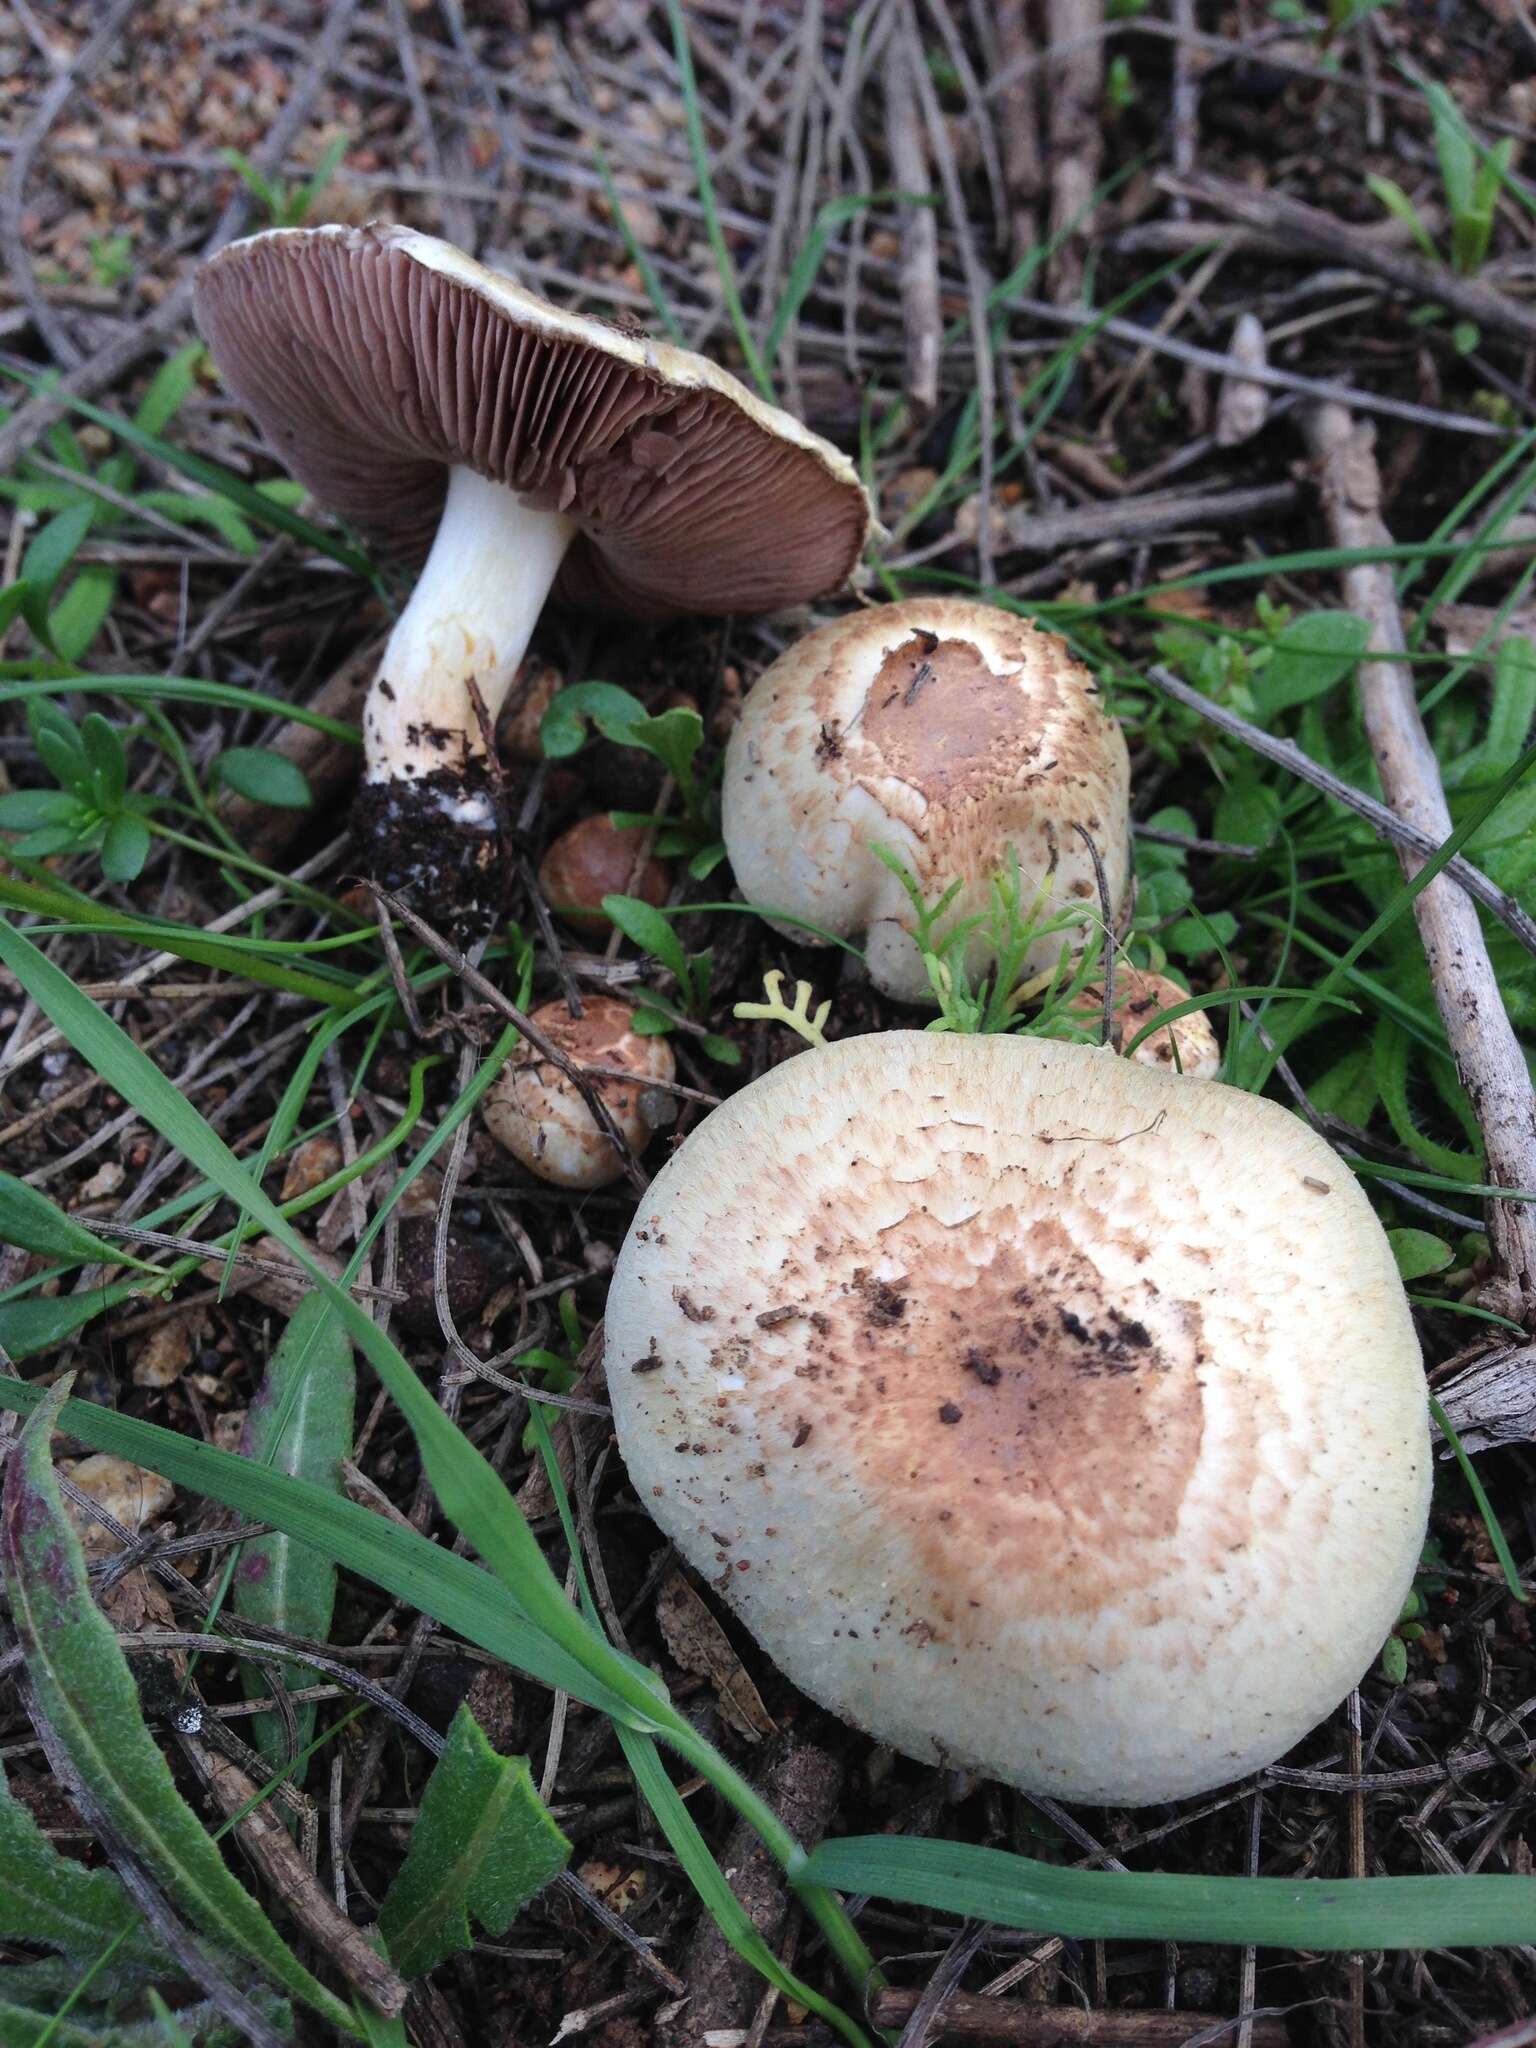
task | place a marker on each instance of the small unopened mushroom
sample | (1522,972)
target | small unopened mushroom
(434,403)
(594,859)
(538,1113)
(1039,1413)
(952,733)
(1187,1046)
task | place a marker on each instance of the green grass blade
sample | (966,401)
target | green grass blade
(87,1691)
(726,269)
(1309,1913)
(1496,1536)
(181,690)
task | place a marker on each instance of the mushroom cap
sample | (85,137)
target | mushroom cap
(595,858)
(375,358)
(1141,995)
(946,730)
(1037,1412)
(538,1114)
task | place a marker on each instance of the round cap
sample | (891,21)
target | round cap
(1038,1412)
(1187,1046)
(535,1110)
(949,732)
(374,359)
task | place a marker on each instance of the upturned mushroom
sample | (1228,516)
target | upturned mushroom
(1039,1413)
(957,736)
(444,411)
(535,1110)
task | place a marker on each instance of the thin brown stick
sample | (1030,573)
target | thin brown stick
(1309,228)
(1075,121)
(1405,833)
(1023,170)
(919,275)
(969,2017)
(276,1855)
(1477,1027)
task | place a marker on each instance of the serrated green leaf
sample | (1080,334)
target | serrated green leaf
(651,932)
(30,1220)
(49,1898)
(262,776)
(125,848)
(300,1423)
(88,1693)
(483,1844)
(1311,654)
(1418,1252)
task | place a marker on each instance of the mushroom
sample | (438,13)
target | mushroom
(950,732)
(437,405)
(1187,1046)
(597,858)
(1038,1413)
(535,1110)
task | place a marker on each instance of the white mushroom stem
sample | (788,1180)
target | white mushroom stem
(469,620)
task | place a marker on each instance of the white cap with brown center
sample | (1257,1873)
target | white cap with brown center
(951,732)
(1038,1412)
(433,403)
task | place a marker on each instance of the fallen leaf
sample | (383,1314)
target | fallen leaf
(701,1646)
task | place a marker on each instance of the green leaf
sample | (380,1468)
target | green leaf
(301,1423)
(88,1693)
(1310,655)
(81,612)
(125,848)
(264,777)
(651,932)
(722,1050)
(30,1220)
(52,549)
(1247,813)
(1396,201)
(651,1023)
(49,1898)
(565,727)
(674,737)
(1394,1660)
(1190,937)
(483,1843)
(25,810)
(169,389)
(1272,1912)
(207,510)
(105,761)
(57,740)
(28,1327)
(1417,1252)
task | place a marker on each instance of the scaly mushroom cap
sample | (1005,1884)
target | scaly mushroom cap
(540,1116)
(1187,1046)
(1037,1412)
(374,359)
(950,732)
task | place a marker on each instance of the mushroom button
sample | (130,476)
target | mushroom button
(1056,1419)
(948,731)
(444,411)
(536,1111)
(596,859)
(1187,1046)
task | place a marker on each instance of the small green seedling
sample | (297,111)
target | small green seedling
(1471,179)
(92,809)
(652,932)
(1010,930)
(289,206)
(1409,1626)
(673,737)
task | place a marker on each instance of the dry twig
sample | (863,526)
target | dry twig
(1483,1044)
